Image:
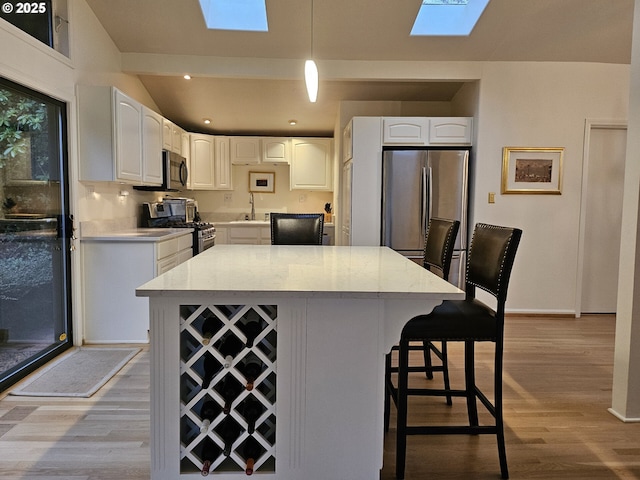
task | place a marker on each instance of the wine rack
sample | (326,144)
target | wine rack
(227,388)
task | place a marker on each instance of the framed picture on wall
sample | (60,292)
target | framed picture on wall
(263,182)
(532,170)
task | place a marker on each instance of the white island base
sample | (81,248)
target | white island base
(337,312)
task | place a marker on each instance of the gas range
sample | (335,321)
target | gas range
(166,215)
(204,234)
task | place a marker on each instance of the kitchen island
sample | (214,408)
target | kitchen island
(326,317)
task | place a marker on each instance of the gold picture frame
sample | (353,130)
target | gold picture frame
(262,182)
(531,170)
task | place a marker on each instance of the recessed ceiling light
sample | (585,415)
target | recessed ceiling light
(293,122)
(207,121)
(187,76)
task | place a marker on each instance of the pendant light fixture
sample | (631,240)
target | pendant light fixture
(311,70)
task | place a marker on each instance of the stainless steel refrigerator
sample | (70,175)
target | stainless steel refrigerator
(418,184)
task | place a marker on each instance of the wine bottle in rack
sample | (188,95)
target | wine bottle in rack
(211,367)
(209,327)
(210,451)
(251,368)
(251,330)
(251,410)
(251,452)
(230,391)
(229,431)
(229,348)
(209,411)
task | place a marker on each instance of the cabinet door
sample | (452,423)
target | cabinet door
(347,142)
(176,139)
(222,179)
(347,174)
(202,155)
(128,141)
(245,150)
(276,150)
(167,134)
(311,166)
(405,130)
(166,264)
(450,131)
(151,147)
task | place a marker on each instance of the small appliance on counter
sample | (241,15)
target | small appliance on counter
(174,212)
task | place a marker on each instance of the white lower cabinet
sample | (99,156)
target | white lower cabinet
(113,269)
(249,235)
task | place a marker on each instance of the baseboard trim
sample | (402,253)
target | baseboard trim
(622,417)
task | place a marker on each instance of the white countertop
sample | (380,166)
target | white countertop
(137,235)
(295,271)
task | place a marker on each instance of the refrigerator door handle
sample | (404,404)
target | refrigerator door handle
(424,202)
(430,196)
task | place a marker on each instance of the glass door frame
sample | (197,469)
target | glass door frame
(65,237)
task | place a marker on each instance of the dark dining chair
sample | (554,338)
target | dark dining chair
(297,228)
(490,261)
(439,243)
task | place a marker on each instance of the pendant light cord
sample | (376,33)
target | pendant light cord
(311,29)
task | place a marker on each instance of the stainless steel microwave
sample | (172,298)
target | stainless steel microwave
(176,173)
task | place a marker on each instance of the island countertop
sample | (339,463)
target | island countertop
(292,271)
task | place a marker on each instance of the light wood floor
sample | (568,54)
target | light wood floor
(558,375)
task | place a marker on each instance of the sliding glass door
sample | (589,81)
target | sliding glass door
(35,231)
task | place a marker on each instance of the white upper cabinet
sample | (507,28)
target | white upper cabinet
(202,155)
(276,150)
(151,146)
(311,164)
(128,138)
(117,138)
(347,142)
(210,163)
(222,174)
(450,130)
(405,130)
(245,150)
(427,130)
(172,137)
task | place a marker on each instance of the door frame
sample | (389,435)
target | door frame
(589,125)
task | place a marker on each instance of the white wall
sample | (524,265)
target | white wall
(541,105)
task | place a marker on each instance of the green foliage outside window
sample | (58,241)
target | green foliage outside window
(24,132)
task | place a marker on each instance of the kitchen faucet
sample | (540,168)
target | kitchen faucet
(253,207)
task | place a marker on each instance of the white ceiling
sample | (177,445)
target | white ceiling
(251,82)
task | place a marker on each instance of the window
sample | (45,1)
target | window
(248,15)
(448,17)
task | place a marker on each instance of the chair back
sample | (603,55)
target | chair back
(296,228)
(491,256)
(438,245)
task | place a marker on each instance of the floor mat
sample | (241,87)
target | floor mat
(79,373)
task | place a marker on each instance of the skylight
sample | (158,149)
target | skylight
(248,15)
(448,17)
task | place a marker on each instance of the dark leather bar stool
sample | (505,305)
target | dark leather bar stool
(438,250)
(296,228)
(489,265)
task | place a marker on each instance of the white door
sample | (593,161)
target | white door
(603,219)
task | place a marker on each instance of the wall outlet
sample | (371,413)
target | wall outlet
(227,197)
(302,198)
(492,197)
